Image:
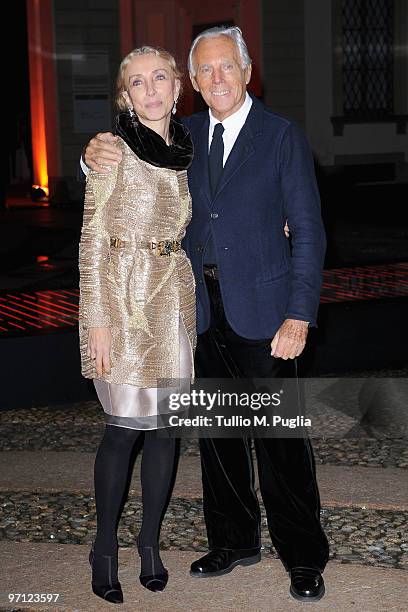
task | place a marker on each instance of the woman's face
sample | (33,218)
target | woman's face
(151,87)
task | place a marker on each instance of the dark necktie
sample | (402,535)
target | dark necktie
(216,156)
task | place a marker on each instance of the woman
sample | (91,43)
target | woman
(137,305)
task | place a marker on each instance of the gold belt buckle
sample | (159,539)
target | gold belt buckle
(117,243)
(165,247)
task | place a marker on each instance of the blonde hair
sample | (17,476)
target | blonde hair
(146,49)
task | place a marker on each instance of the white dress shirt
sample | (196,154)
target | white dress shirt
(232,126)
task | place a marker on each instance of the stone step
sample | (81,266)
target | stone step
(64,569)
(350,486)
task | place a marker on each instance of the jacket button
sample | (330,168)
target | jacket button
(199,248)
(214,215)
(201,282)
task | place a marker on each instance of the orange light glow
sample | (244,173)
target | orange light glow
(37,97)
(43,187)
(40,169)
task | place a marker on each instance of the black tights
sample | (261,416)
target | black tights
(112,465)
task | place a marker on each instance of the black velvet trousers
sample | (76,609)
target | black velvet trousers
(286,466)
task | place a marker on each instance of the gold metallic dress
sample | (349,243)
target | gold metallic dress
(136,279)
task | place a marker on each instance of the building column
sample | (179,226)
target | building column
(43,93)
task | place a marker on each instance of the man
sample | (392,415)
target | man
(252,170)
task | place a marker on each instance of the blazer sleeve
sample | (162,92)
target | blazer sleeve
(302,209)
(94,249)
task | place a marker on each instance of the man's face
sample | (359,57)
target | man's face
(220,78)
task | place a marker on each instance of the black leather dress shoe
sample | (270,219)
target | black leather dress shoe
(306,584)
(221,561)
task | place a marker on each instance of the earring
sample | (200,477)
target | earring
(132,115)
(174,109)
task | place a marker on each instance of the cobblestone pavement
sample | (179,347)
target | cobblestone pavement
(373,537)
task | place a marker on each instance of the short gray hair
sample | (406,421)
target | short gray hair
(233,32)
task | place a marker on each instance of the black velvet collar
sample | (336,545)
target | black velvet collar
(151,148)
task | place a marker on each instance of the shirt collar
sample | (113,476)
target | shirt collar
(236,120)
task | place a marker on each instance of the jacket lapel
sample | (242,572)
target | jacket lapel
(244,147)
(242,150)
(201,172)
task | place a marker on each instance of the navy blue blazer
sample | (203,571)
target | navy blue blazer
(269,177)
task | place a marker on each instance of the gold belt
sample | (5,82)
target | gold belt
(162,247)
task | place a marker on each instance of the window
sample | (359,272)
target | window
(367,72)
(367,43)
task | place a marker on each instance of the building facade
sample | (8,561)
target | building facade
(337,67)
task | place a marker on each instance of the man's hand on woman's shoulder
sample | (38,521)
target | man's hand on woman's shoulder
(102,152)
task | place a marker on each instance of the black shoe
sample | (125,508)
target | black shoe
(105,583)
(220,561)
(306,584)
(154,581)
